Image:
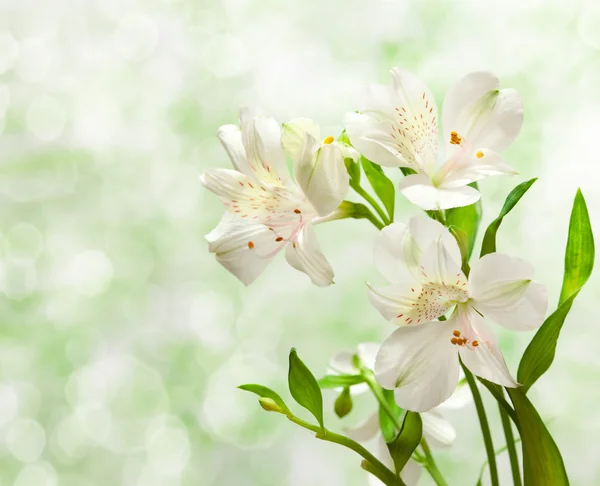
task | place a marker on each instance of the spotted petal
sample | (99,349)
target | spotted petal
(304,254)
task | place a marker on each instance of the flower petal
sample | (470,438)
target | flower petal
(342,363)
(426,231)
(419,190)
(365,431)
(420,363)
(261,137)
(395,255)
(292,135)
(470,167)
(242,247)
(396,302)
(367,352)
(411,473)
(437,430)
(231,139)
(485,359)
(268,205)
(373,139)
(304,254)
(322,175)
(501,289)
(481,113)
(438,266)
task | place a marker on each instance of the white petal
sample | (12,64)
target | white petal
(485,359)
(322,175)
(305,255)
(261,137)
(502,290)
(420,363)
(348,152)
(373,139)
(231,139)
(437,430)
(292,136)
(254,202)
(481,113)
(395,302)
(471,167)
(460,398)
(366,430)
(419,190)
(439,266)
(342,363)
(417,117)
(242,247)
(426,231)
(411,473)
(394,254)
(367,352)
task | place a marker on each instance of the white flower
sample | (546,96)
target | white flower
(267,211)
(343,364)
(436,429)
(420,359)
(398,127)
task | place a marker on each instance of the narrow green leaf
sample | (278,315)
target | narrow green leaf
(407,440)
(464,223)
(304,387)
(383,187)
(343,403)
(489,239)
(334,381)
(579,256)
(386,424)
(264,392)
(498,394)
(353,169)
(579,262)
(542,463)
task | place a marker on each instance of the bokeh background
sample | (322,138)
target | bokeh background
(122,340)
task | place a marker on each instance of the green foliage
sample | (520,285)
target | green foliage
(383,187)
(489,239)
(542,463)
(268,394)
(304,387)
(579,262)
(353,169)
(404,444)
(386,424)
(334,381)
(343,403)
(463,223)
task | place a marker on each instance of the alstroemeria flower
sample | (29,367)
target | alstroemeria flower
(398,127)
(267,211)
(420,359)
(343,364)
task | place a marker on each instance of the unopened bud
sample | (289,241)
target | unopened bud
(269,405)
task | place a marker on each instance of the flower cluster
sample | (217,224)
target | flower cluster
(443,306)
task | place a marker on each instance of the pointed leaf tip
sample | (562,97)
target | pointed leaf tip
(304,387)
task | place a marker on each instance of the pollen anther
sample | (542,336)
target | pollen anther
(455,138)
(475,343)
(279,238)
(250,245)
(456,333)
(328,140)
(479,154)
(297,211)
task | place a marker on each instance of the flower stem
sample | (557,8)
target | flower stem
(374,466)
(485,426)
(429,463)
(359,190)
(510,445)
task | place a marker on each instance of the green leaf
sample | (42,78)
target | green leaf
(489,239)
(386,424)
(407,440)
(264,392)
(383,187)
(579,256)
(579,261)
(542,463)
(496,391)
(334,381)
(304,387)
(343,403)
(353,169)
(464,223)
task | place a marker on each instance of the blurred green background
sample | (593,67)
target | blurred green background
(122,339)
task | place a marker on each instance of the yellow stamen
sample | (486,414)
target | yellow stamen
(454,340)
(328,140)
(250,245)
(475,343)
(455,139)
(456,333)
(479,154)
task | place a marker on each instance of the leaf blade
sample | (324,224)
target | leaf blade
(488,244)
(264,392)
(464,223)
(382,186)
(334,381)
(408,439)
(304,387)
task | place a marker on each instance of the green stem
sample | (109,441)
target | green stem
(371,217)
(430,464)
(485,426)
(378,468)
(360,191)
(510,444)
